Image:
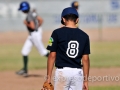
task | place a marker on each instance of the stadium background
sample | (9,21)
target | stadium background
(99,18)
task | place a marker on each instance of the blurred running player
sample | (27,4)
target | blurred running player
(33,23)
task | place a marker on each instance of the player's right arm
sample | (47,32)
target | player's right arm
(30,24)
(86,66)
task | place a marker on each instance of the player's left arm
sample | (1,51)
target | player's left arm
(51,60)
(40,20)
(30,24)
(52,56)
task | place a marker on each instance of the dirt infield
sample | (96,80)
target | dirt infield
(106,34)
(10,81)
(19,37)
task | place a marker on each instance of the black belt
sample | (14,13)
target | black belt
(32,31)
(68,67)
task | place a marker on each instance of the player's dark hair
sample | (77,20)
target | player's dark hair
(71,17)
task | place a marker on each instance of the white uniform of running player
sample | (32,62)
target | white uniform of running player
(33,24)
(34,38)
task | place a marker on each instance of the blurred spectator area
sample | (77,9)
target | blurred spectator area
(96,16)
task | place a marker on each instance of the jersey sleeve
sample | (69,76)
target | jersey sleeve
(87,47)
(53,42)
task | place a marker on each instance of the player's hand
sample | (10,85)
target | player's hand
(85,85)
(25,22)
(47,84)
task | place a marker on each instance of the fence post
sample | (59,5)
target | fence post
(100,26)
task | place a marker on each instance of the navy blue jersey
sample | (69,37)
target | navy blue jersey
(70,44)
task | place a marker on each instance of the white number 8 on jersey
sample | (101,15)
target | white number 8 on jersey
(72,50)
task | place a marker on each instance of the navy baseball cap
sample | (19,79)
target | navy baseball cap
(24,6)
(69,10)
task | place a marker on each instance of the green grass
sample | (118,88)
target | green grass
(103,54)
(11,58)
(105,88)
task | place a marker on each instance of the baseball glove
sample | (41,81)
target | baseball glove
(47,86)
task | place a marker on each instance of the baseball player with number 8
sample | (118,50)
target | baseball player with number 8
(68,46)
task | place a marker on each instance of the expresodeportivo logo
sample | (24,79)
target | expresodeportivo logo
(106,78)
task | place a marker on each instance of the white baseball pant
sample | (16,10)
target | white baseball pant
(34,39)
(68,79)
